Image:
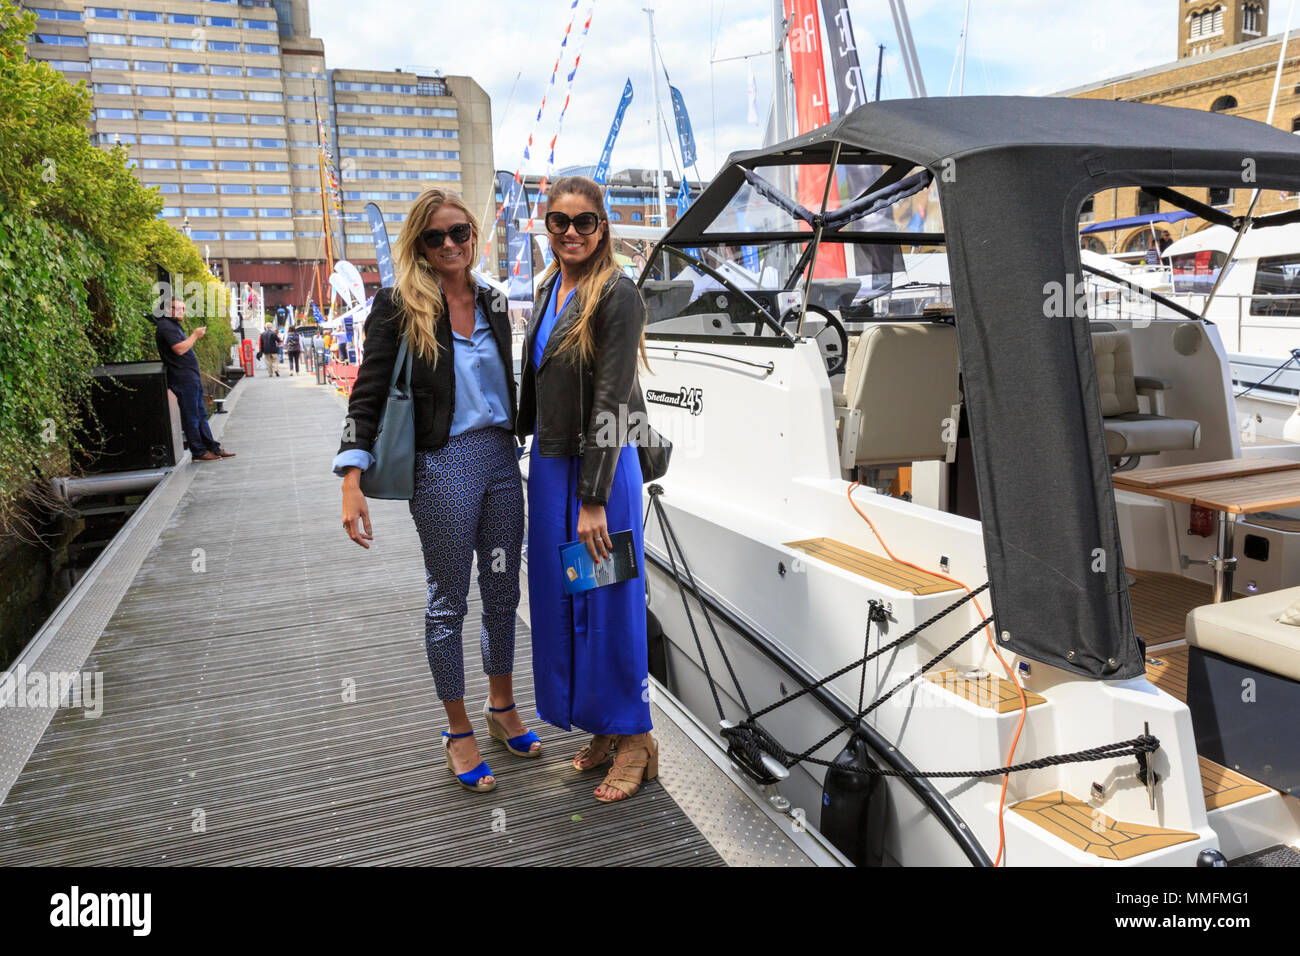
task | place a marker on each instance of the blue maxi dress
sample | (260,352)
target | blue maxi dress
(589,650)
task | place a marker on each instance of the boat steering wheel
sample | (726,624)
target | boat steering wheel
(831,338)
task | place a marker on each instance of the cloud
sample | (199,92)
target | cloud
(509,47)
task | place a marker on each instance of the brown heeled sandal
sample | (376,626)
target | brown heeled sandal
(636,763)
(595,752)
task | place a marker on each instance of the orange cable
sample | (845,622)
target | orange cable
(1024,703)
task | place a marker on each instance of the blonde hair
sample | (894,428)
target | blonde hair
(418,292)
(578,342)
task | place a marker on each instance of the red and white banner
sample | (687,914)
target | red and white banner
(812,110)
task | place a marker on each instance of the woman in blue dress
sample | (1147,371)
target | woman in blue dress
(580,399)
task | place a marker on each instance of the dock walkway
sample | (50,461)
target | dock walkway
(266,698)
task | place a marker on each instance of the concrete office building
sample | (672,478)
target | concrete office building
(213,100)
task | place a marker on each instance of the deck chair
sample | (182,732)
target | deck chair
(1131,433)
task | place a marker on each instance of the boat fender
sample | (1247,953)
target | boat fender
(855,805)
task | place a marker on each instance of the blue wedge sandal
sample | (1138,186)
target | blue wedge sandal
(472,779)
(519,746)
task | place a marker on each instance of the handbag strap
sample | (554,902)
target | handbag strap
(403,358)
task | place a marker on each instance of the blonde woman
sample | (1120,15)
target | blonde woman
(579,394)
(468,494)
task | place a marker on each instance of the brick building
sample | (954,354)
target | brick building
(1225,63)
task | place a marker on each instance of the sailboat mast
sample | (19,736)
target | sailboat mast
(965,32)
(659,136)
(780,109)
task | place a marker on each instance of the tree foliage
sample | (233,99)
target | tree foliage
(81,248)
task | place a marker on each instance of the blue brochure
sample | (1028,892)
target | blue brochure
(581,573)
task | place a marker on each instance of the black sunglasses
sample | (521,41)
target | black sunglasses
(557,223)
(434,238)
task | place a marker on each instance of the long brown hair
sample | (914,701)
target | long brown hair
(578,342)
(419,290)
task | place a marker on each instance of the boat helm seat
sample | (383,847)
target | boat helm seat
(1130,432)
(901,399)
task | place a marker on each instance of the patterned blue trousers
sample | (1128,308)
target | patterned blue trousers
(469,498)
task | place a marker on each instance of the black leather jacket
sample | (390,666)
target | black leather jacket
(433,390)
(574,408)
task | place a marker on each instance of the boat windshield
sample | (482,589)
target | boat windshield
(745,271)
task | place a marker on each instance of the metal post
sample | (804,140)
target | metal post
(659,138)
(1224,562)
(817,235)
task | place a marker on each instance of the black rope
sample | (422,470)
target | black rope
(1295,357)
(869,657)
(848,724)
(1138,747)
(666,529)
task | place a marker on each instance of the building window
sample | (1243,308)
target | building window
(104,114)
(277,190)
(237,188)
(259,24)
(1250,19)
(200,188)
(1205,24)
(274,212)
(222,22)
(221,93)
(1223,103)
(227,117)
(223,46)
(185,68)
(1140,241)
(232,142)
(1220,197)
(56,39)
(151,66)
(1092,244)
(201,212)
(196,140)
(201,164)
(1086,212)
(267,72)
(110,64)
(165,187)
(186,117)
(147,16)
(123,89)
(189,19)
(157,139)
(156,116)
(152,90)
(241,236)
(158,164)
(69,66)
(190,92)
(46,14)
(111,39)
(261,48)
(274,236)
(219,70)
(245,212)
(104,13)
(116,139)
(205,235)
(1147,204)
(141,40)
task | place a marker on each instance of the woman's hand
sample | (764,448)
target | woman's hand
(594,532)
(356,514)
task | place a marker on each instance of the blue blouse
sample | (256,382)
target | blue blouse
(547,323)
(482,395)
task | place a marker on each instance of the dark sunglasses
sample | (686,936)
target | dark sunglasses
(557,223)
(434,238)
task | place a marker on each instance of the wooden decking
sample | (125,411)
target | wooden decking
(1086,828)
(881,570)
(1168,670)
(991,692)
(267,699)
(1223,787)
(1160,604)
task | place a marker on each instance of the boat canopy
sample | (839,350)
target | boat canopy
(1110,225)
(1012,175)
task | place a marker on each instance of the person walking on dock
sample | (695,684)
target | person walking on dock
(292,347)
(176,349)
(268,347)
(590,662)
(468,494)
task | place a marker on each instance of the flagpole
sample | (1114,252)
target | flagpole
(659,137)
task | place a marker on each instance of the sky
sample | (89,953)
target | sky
(509,47)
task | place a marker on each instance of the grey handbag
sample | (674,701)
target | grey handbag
(393,473)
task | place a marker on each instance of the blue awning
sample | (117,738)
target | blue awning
(1112,224)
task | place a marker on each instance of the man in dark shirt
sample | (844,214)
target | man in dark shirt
(268,349)
(177,352)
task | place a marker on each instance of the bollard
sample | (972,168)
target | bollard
(320,370)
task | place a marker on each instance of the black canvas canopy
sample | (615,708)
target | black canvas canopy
(1013,173)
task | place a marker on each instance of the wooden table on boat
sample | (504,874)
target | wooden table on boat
(1236,486)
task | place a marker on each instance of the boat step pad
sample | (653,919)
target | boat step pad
(1223,787)
(990,691)
(1168,671)
(882,570)
(1086,828)
(1276,855)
